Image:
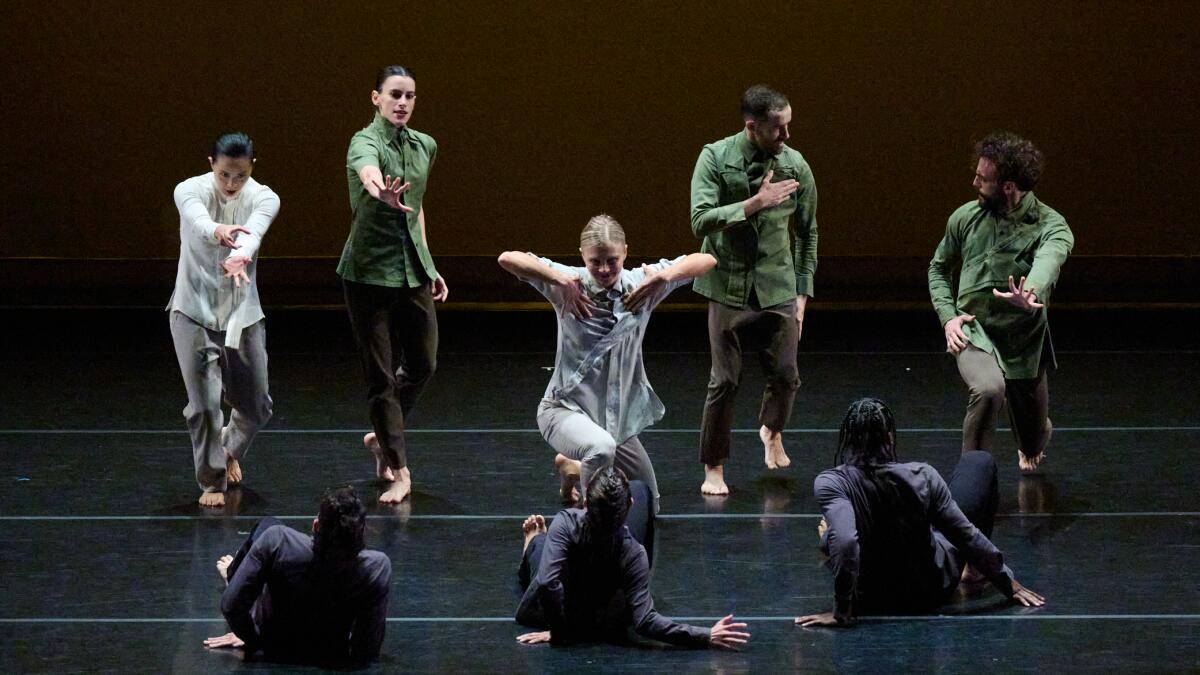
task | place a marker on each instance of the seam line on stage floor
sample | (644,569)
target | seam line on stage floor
(661,516)
(788,618)
(1097,352)
(810,430)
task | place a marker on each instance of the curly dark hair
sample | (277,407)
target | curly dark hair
(340,524)
(760,100)
(1016,159)
(868,434)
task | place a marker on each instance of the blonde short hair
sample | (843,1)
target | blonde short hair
(602,230)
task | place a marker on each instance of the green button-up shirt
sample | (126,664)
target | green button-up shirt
(385,246)
(1032,241)
(772,252)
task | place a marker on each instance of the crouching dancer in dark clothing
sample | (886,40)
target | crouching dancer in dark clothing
(587,579)
(319,599)
(898,538)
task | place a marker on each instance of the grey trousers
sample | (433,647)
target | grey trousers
(575,435)
(1028,404)
(773,331)
(212,373)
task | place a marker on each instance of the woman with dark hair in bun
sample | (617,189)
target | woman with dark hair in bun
(217,323)
(388,276)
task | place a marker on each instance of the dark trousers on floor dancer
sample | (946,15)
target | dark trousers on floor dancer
(397,335)
(774,331)
(975,489)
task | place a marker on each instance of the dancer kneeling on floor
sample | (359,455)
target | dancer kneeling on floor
(587,578)
(598,399)
(310,599)
(897,536)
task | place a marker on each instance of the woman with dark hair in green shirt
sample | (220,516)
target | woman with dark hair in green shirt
(387,273)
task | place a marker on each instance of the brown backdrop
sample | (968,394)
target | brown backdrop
(548,112)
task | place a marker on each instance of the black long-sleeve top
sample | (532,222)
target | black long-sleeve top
(295,609)
(896,539)
(581,603)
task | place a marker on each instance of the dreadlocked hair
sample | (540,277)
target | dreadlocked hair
(868,434)
(607,503)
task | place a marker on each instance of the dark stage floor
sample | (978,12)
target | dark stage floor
(107,563)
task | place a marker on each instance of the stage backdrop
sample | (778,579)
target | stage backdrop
(549,112)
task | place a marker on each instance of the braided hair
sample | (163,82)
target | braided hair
(868,434)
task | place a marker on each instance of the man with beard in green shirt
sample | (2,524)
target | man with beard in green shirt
(754,203)
(1010,247)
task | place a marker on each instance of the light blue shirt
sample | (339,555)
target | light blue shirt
(598,367)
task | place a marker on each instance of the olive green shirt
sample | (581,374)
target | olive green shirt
(1033,241)
(772,253)
(385,246)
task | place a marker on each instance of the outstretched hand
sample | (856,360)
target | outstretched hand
(1019,296)
(226,641)
(1026,597)
(726,634)
(390,190)
(534,638)
(235,266)
(226,235)
(817,620)
(956,339)
(636,300)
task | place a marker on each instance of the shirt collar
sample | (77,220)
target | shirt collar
(1026,211)
(747,148)
(389,130)
(752,153)
(598,292)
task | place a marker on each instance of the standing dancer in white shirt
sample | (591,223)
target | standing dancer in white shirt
(599,399)
(217,323)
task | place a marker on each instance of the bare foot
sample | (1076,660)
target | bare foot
(568,472)
(774,455)
(400,489)
(714,481)
(223,567)
(212,499)
(532,527)
(233,469)
(1028,464)
(382,470)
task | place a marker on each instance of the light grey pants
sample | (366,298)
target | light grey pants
(575,435)
(1028,403)
(212,372)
